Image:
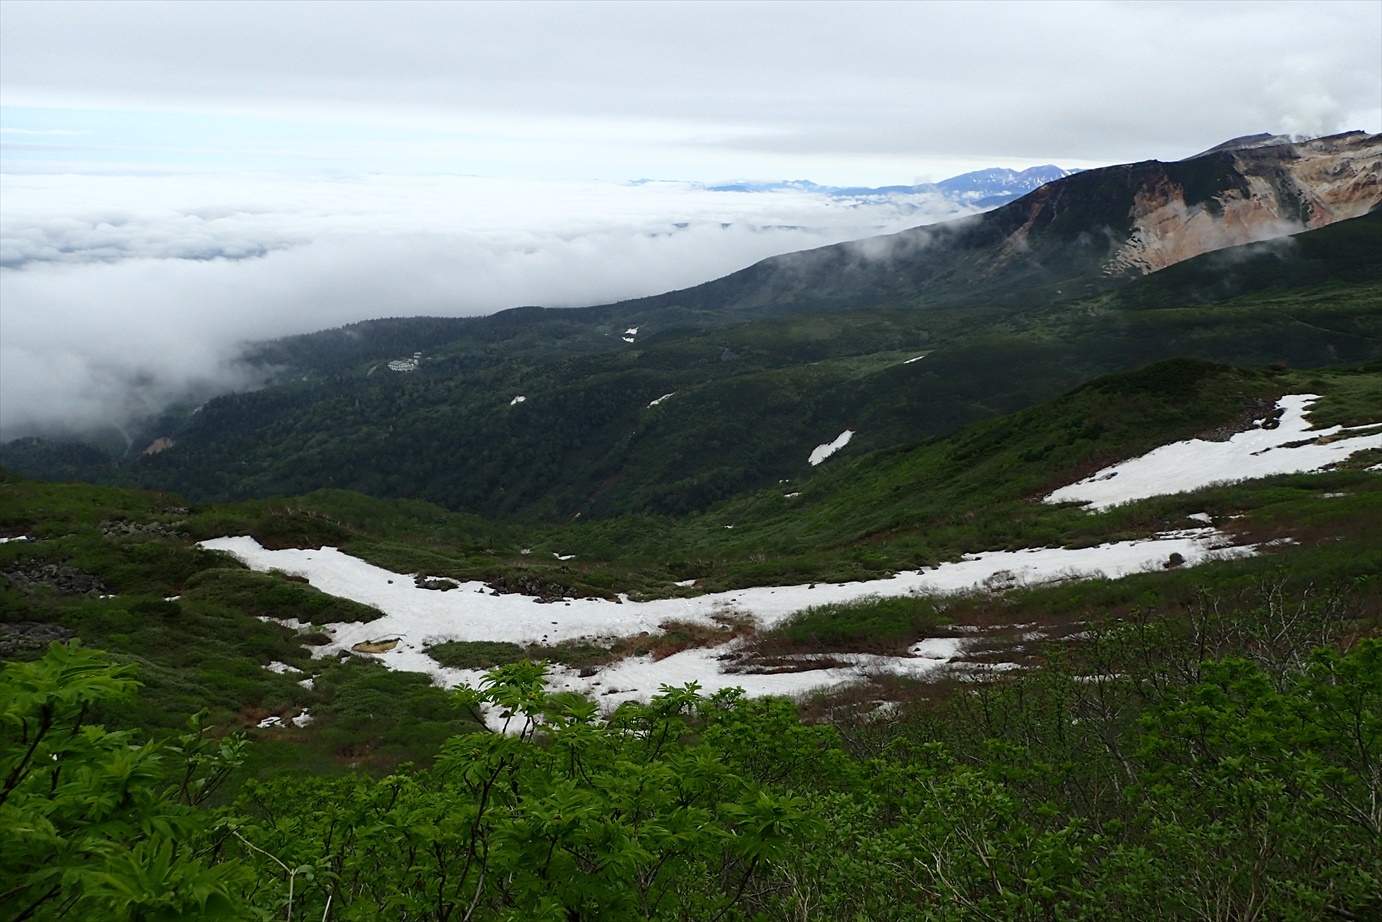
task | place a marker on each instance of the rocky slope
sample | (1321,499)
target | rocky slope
(1270,190)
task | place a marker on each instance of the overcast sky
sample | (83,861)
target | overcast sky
(180,176)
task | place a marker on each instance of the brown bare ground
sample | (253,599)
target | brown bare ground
(375,646)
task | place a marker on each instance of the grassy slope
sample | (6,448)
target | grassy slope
(190,620)
(855,518)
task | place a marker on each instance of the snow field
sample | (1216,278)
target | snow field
(821,452)
(1290,448)
(419,617)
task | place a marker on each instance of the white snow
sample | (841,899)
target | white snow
(627,339)
(1203,518)
(631,331)
(917,359)
(821,452)
(517,400)
(15,538)
(1190,465)
(791,495)
(302,719)
(420,618)
(281,668)
(662,398)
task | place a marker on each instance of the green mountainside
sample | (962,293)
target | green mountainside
(749,402)
(148,591)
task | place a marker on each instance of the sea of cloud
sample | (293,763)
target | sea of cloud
(124,292)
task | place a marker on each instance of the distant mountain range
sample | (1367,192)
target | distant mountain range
(981,188)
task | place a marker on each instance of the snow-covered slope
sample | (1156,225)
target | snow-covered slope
(418,618)
(1286,445)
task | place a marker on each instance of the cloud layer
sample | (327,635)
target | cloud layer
(122,293)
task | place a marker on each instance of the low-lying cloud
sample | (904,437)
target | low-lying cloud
(123,294)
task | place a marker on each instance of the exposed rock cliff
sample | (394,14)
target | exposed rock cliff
(1236,195)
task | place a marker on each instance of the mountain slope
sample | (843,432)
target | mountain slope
(594,435)
(1072,237)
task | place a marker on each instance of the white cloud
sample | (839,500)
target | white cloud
(121,293)
(677,84)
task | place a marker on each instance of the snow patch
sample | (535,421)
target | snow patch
(822,452)
(15,538)
(1291,448)
(917,359)
(517,400)
(420,618)
(662,398)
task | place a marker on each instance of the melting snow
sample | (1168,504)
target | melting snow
(822,452)
(1291,448)
(517,400)
(917,359)
(420,618)
(662,398)
(631,331)
(301,720)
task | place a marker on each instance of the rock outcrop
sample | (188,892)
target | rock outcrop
(1271,187)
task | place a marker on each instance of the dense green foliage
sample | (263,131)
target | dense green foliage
(97,824)
(1217,766)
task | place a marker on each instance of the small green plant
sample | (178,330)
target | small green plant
(99,824)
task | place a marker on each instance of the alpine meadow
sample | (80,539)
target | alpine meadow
(1018,557)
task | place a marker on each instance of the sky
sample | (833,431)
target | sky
(177,178)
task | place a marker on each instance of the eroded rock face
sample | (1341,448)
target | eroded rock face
(1261,192)
(30,635)
(62,580)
